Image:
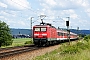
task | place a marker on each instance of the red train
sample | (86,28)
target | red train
(45,34)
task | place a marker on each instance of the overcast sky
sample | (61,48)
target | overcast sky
(17,13)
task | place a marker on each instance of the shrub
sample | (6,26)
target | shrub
(74,48)
(70,50)
(82,45)
(87,38)
(5,35)
(28,42)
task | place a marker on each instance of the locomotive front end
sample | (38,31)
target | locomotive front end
(40,35)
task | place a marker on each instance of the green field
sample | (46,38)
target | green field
(18,42)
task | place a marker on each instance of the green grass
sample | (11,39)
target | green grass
(78,51)
(18,42)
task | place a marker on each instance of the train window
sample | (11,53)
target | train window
(58,33)
(65,34)
(43,29)
(61,34)
(37,29)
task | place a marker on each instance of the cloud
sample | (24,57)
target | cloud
(17,4)
(65,4)
(7,13)
(1,16)
(83,3)
(88,11)
(3,5)
(50,2)
(71,12)
(60,7)
(16,11)
(3,13)
(74,16)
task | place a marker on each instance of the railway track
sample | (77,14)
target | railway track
(6,52)
(16,50)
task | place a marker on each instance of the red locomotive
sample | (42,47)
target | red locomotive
(45,34)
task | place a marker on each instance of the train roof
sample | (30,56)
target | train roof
(62,31)
(41,26)
(73,33)
(44,26)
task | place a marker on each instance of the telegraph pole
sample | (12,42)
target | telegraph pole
(78,31)
(68,30)
(31,27)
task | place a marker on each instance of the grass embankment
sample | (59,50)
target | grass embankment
(19,42)
(77,51)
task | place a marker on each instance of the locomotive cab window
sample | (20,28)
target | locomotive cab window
(37,29)
(43,29)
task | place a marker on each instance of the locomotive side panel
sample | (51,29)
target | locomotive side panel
(52,34)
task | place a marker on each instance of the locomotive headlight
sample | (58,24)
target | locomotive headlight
(36,34)
(44,34)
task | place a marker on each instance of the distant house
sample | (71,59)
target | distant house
(21,36)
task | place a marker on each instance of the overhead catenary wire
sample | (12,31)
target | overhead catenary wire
(25,7)
(31,9)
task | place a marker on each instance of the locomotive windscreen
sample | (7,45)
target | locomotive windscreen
(40,29)
(37,29)
(43,29)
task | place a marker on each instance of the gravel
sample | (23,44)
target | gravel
(32,54)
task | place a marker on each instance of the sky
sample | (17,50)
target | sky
(18,13)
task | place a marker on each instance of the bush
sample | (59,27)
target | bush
(5,35)
(82,46)
(74,48)
(70,50)
(87,38)
(28,42)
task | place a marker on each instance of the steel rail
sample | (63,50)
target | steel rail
(5,54)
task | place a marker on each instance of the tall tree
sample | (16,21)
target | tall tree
(5,35)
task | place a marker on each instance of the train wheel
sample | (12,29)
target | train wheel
(52,42)
(55,42)
(40,45)
(47,44)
